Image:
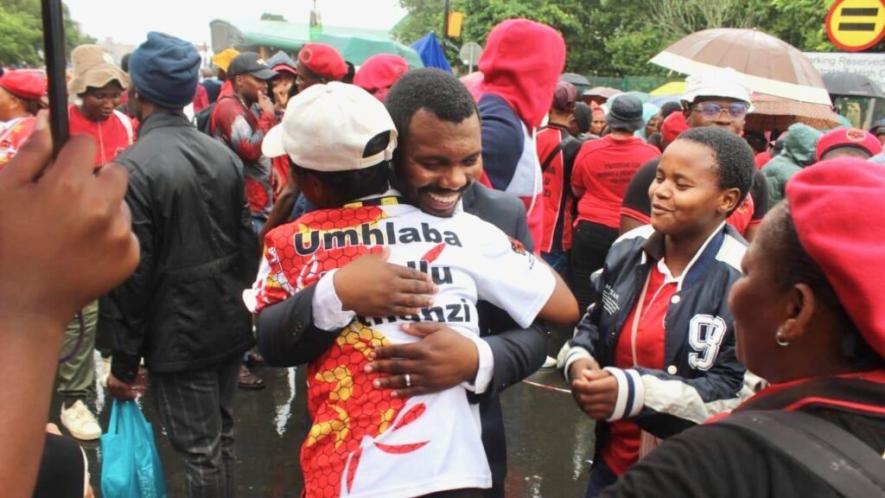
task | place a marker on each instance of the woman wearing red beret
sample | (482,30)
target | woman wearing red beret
(809,318)
(21,94)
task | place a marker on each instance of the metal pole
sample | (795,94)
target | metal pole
(445,33)
(54,54)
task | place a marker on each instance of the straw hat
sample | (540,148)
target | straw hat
(93,68)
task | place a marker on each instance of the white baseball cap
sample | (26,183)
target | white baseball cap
(720,82)
(326,128)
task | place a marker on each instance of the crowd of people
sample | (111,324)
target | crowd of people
(420,244)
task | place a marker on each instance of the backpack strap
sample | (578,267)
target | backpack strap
(549,158)
(843,461)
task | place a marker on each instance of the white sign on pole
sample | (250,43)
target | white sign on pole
(470,53)
(868,64)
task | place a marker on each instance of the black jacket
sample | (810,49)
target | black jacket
(181,309)
(287,336)
(720,460)
(702,375)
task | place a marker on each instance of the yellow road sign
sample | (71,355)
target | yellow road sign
(855,25)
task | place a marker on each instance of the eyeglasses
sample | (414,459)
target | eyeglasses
(714,109)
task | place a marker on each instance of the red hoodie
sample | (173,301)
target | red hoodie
(521,64)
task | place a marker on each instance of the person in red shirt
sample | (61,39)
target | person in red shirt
(602,171)
(21,94)
(657,352)
(557,149)
(98,83)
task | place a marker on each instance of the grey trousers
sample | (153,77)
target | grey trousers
(76,373)
(195,409)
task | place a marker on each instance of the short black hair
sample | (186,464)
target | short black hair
(352,185)
(124,62)
(669,108)
(756,140)
(435,90)
(583,116)
(794,265)
(734,157)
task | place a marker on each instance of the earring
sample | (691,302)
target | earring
(779,338)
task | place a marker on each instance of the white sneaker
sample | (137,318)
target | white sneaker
(80,422)
(549,362)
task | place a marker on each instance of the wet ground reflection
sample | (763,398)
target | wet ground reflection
(549,442)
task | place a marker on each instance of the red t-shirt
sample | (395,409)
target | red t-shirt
(762,159)
(646,350)
(603,169)
(112,136)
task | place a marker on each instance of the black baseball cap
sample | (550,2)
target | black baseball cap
(250,63)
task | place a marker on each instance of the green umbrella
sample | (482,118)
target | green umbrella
(357,49)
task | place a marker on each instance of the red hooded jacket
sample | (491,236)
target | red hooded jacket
(521,65)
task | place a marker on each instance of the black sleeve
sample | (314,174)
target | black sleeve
(518,353)
(521,230)
(714,460)
(636,202)
(759,191)
(286,334)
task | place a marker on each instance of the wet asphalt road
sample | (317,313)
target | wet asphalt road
(548,440)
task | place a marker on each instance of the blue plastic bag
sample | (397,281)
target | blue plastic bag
(130,464)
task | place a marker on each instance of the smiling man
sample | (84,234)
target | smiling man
(436,165)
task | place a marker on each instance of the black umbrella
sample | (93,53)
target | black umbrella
(857,85)
(575,79)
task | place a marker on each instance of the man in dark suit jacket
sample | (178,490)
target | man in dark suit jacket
(444,143)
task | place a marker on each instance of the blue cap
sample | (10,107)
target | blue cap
(165,70)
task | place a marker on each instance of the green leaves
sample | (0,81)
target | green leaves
(618,37)
(21,33)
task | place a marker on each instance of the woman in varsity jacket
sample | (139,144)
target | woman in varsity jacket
(655,354)
(808,317)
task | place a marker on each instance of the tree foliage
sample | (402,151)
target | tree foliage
(618,37)
(21,33)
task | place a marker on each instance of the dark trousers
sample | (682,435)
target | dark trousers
(195,409)
(590,245)
(601,477)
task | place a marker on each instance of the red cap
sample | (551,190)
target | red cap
(323,60)
(673,126)
(24,84)
(848,137)
(284,68)
(379,72)
(839,213)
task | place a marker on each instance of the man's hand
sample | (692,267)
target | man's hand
(265,103)
(595,391)
(442,359)
(121,390)
(370,286)
(66,232)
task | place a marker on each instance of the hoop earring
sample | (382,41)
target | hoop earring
(779,339)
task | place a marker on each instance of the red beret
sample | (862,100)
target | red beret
(673,126)
(323,60)
(853,137)
(379,72)
(839,212)
(24,83)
